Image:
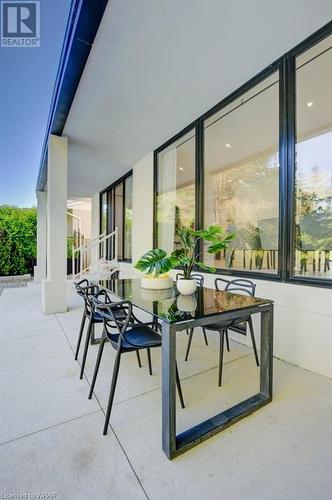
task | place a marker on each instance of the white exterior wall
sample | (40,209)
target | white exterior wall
(303,314)
(142,235)
(95,226)
(85,220)
(95,216)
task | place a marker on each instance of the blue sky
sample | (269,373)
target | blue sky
(27,78)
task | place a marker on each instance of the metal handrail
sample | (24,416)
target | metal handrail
(85,252)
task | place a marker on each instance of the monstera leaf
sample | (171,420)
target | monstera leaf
(155,262)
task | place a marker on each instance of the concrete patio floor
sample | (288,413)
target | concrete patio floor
(51,434)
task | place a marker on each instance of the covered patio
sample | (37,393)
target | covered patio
(51,435)
(161,139)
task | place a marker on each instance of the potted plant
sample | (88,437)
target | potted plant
(156,263)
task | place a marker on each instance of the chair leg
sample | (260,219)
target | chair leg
(221,355)
(138,359)
(80,335)
(112,390)
(86,346)
(205,337)
(179,388)
(251,328)
(95,373)
(189,343)
(148,352)
(187,331)
(227,341)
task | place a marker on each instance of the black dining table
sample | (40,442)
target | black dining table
(177,312)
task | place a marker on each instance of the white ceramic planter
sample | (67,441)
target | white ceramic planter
(156,283)
(186,287)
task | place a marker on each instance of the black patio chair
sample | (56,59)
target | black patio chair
(200,282)
(238,326)
(87,291)
(132,335)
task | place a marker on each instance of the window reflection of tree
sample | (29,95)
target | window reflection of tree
(313,219)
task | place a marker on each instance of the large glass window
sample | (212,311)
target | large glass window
(118,216)
(241,168)
(116,211)
(103,221)
(175,190)
(313,162)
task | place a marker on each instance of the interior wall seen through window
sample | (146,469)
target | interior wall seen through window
(242,178)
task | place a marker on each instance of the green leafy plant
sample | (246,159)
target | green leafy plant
(156,262)
(18,240)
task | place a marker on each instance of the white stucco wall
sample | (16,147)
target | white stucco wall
(303,314)
(142,206)
(95,215)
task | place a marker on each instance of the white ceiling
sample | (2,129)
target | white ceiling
(157,65)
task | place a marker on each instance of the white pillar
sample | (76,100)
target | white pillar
(40,269)
(54,288)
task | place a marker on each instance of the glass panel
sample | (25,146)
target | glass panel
(110,209)
(103,222)
(172,307)
(175,190)
(242,178)
(313,163)
(118,207)
(128,215)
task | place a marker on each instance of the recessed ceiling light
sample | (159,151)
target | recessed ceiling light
(181,168)
(309,104)
(228,146)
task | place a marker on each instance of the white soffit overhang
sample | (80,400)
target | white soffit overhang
(155,66)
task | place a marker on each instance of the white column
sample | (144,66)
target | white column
(40,268)
(54,288)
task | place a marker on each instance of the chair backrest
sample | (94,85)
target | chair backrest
(197,277)
(220,284)
(108,312)
(81,284)
(237,285)
(87,293)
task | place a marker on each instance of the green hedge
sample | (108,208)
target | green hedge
(18,240)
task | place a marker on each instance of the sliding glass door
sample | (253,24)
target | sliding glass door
(116,212)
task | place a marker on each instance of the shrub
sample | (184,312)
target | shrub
(18,240)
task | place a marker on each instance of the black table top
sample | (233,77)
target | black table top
(172,307)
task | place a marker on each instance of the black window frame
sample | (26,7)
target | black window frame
(285,65)
(110,190)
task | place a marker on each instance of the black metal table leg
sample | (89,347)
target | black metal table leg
(173,444)
(168,390)
(266,371)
